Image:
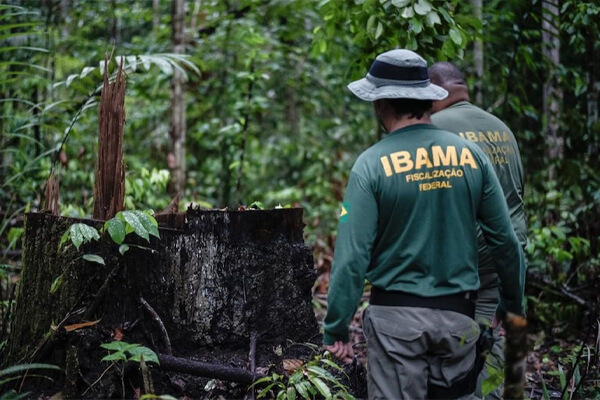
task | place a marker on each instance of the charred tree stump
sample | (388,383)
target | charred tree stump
(211,286)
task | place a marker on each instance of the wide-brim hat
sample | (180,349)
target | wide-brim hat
(397,74)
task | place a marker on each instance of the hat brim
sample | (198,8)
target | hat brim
(367,91)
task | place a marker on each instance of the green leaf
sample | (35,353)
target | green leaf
(345,395)
(371,22)
(132,219)
(422,7)
(455,36)
(262,380)
(301,388)
(400,3)
(266,390)
(13,395)
(119,346)
(56,284)
(318,371)
(26,367)
(492,381)
(379,30)
(408,12)
(321,387)
(291,393)
(116,356)
(94,258)
(64,238)
(123,249)
(148,222)
(76,236)
(257,205)
(433,18)
(116,229)
(545,393)
(149,355)
(332,364)
(82,233)
(417,25)
(165,397)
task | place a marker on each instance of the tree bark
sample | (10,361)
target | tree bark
(213,284)
(177,165)
(478,56)
(551,91)
(109,182)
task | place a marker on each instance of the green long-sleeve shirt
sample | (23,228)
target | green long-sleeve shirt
(499,144)
(408,223)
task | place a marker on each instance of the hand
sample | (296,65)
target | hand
(494,325)
(342,351)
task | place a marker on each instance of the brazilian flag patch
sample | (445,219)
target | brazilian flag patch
(344,212)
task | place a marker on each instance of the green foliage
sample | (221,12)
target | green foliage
(125,222)
(493,380)
(150,396)
(429,27)
(121,351)
(21,371)
(309,381)
(79,234)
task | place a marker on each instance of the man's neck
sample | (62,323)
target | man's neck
(406,121)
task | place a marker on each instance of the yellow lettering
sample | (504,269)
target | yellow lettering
(401,161)
(471,136)
(445,159)
(482,137)
(422,158)
(494,137)
(505,136)
(387,168)
(467,158)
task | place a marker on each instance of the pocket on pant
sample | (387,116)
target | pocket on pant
(395,329)
(467,333)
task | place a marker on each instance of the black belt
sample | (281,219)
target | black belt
(463,303)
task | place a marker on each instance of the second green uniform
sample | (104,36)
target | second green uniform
(499,144)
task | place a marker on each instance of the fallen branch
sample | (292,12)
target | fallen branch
(208,370)
(161,326)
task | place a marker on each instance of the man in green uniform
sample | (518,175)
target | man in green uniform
(409,226)
(456,114)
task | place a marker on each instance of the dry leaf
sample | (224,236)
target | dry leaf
(74,327)
(291,365)
(118,334)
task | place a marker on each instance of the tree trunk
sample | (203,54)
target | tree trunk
(551,91)
(478,56)
(205,289)
(593,88)
(177,164)
(109,182)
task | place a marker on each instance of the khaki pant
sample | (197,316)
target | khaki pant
(487,302)
(408,347)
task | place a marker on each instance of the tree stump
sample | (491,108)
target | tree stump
(201,292)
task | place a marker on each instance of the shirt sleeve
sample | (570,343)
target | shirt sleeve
(502,242)
(357,228)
